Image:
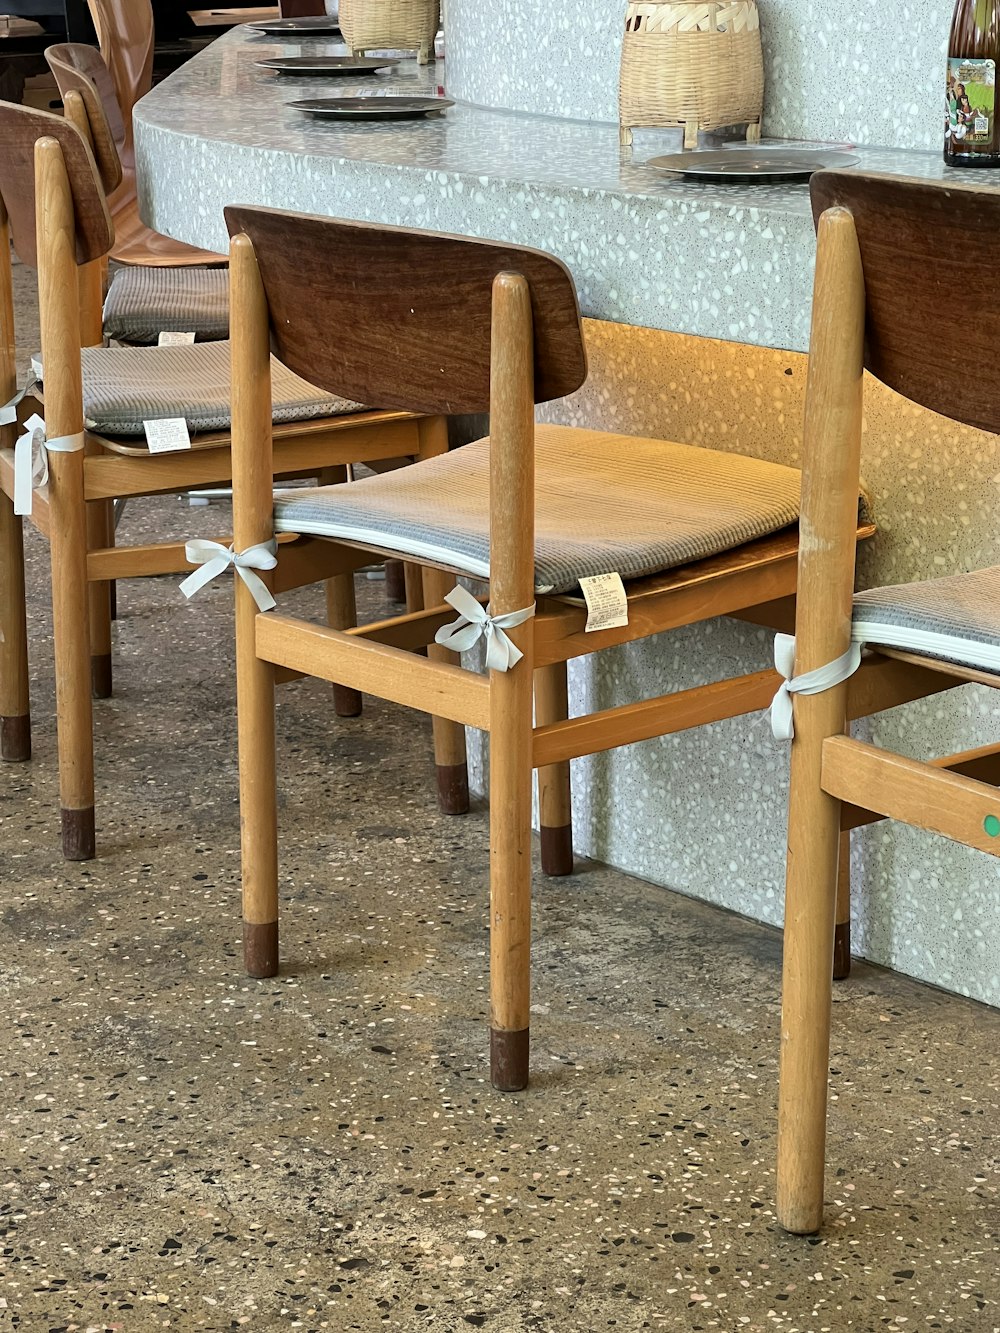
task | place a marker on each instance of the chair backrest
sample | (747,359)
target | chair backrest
(929,253)
(125,32)
(82,70)
(20,129)
(401,318)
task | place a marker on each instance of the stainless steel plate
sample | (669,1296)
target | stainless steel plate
(746,164)
(324,64)
(372,108)
(322,25)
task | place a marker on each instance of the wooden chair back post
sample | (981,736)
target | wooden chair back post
(828,525)
(512,580)
(81,72)
(125,33)
(90,277)
(253,505)
(57,246)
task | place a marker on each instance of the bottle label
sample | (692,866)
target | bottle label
(969,104)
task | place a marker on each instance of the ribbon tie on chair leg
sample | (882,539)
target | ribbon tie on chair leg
(812,682)
(214,559)
(31,461)
(8,411)
(475,622)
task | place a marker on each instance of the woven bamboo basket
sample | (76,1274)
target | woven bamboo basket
(390,25)
(695,63)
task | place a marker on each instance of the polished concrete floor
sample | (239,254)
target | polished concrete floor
(183,1148)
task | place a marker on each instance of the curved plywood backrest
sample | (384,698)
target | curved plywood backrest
(929,252)
(400,318)
(126,34)
(81,69)
(20,129)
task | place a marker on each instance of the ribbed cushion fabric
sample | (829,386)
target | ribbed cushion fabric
(603,503)
(956,619)
(124,386)
(144,302)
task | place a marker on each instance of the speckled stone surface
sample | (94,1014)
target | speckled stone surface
(868,74)
(183,1149)
(645,247)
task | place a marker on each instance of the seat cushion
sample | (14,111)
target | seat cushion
(955,619)
(603,503)
(124,386)
(144,302)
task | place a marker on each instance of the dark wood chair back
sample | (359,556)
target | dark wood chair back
(20,129)
(126,33)
(81,69)
(400,318)
(298,9)
(929,253)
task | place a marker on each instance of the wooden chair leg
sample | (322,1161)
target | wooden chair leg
(842,930)
(449,737)
(15,713)
(100,522)
(395,581)
(414,587)
(555,808)
(341,608)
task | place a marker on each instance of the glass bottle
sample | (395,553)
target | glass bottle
(971,130)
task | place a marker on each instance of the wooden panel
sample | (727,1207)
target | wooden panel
(653,717)
(411,632)
(311,559)
(20,128)
(880,683)
(417,305)
(907,231)
(373,668)
(917,794)
(982,764)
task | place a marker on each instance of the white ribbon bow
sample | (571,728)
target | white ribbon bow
(8,412)
(813,682)
(475,622)
(31,461)
(215,558)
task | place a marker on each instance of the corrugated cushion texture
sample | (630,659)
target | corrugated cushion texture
(144,302)
(956,619)
(124,386)
(603,503)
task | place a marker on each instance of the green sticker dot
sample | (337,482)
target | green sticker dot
(992,826)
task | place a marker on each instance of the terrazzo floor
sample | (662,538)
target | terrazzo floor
(181,1148)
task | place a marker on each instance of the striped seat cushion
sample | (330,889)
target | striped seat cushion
(125,386)
(603,503)
(955,619)
(142,303)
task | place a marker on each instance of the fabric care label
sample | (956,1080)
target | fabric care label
(970,104)
(607,605)
(167,436)
(168,339)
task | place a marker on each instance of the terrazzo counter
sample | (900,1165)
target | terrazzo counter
(645,247)
(702,811)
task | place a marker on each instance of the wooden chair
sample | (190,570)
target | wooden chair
(144,300)
(886,253)
(442,323)
(44,158)
(117,77)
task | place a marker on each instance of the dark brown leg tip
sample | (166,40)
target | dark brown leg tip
(509,1060)
(100,676)
(557,850)
(842,952)
(113,598)
(453,788)
(15,739)
(78,839)
(260,949)
(395,581)
(346,702)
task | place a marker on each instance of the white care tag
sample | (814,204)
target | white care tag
(167,436)
(607,605)
(169,339)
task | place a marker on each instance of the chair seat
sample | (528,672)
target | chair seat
(954,619)
(143,302)
(603,503)
(125,386)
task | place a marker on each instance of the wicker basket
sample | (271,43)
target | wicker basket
(695,63)
(390,25)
